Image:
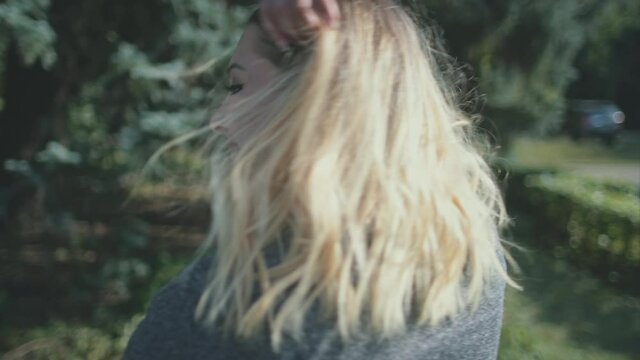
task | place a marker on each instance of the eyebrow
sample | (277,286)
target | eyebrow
(235,66)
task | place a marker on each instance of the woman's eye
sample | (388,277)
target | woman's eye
(233,88)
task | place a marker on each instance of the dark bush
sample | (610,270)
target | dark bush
(592,222)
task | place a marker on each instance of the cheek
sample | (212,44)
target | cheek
(262,73)
(235,130)
(219,113)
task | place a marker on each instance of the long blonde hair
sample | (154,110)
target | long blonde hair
(368,179)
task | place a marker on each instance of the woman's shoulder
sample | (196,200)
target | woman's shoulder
(471,335)
(168,326)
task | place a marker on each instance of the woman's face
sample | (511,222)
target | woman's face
(249,71)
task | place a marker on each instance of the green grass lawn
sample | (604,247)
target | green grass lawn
(560,151)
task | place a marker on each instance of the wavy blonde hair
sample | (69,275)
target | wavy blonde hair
(367,180)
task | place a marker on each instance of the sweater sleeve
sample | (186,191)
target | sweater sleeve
(168,324)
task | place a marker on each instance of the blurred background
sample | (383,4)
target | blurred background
(90,89)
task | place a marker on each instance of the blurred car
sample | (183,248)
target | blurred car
(594,118)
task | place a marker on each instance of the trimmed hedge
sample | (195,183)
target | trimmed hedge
(594,223)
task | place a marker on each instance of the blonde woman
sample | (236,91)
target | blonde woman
(356,217)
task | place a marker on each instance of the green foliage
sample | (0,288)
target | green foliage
(70,342)
(607,64)
(612,22)
(117,119)
(522,53)
(114,113)
(26,22)
(594,223)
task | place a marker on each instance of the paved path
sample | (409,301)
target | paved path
(629,172)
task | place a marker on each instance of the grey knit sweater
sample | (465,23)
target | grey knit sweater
(169,332)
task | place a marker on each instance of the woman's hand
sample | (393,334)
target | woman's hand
(293,21)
